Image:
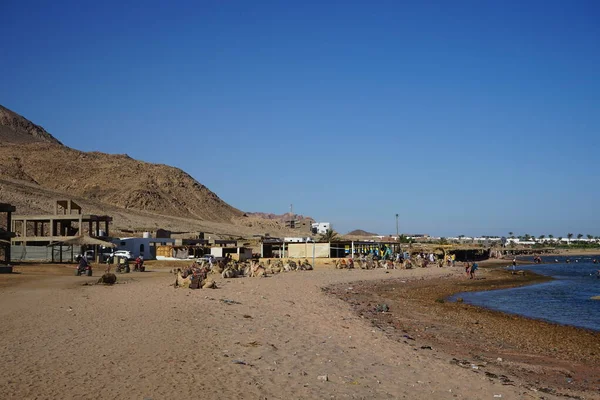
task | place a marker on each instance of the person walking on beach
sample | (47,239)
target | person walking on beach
(474,268)
(467,268)
(514,263)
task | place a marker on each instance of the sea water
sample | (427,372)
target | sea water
(565,300)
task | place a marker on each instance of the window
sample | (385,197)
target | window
(142,248)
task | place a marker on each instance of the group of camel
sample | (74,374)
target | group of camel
(197,276)
(370,263)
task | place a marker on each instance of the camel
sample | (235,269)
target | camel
(257,270)
(275,268)
(209,284)
(180,281)
(194,273)
(344,263)
(306,266)
(229,273)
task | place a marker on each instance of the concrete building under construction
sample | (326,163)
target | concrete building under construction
(34,233)
(66,223)
(6,235)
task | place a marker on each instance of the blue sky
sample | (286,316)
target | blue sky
(466,117)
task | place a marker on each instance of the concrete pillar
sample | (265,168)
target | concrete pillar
(25,232)
(8,226)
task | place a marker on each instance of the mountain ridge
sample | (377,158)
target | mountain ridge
(18,129)
(36,168)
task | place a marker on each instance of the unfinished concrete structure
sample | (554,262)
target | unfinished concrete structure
(67,222)
(6,235)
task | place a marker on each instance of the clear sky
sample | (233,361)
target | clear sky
(464,117)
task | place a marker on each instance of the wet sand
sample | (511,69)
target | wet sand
(551,358)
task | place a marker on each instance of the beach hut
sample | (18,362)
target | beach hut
(82,241)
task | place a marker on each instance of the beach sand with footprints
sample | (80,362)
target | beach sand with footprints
(327,334)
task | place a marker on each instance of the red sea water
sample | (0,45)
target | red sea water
(565,300)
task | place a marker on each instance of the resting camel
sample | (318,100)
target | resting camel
(306,266)
(180,281)
(194,273)
(257,270)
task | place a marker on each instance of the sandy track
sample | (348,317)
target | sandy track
(146,340)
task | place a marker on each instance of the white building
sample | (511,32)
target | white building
(320,227)
(297,239)
(145,246)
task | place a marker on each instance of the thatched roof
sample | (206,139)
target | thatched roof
(84,240)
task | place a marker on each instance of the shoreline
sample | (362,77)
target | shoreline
(558,359)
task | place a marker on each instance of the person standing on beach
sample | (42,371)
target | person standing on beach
(467,268)
(514,263)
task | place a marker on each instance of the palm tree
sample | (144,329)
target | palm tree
(329,236)
(590,237)
(551,236)
(569,235)
(510,235)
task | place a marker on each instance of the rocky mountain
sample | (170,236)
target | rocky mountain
(35,169)
(17,129)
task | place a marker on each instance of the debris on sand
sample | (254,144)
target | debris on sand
(227,301)
(108,279)
(382,308)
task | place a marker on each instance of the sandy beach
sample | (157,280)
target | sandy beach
(309,334)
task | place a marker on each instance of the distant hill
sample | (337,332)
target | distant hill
(279,217)
(360,232)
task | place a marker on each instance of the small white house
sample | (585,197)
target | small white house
(320,227)
(237,253)
(141,246)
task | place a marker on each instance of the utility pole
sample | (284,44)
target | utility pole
(397,235)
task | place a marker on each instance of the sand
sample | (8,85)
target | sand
(271,339)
